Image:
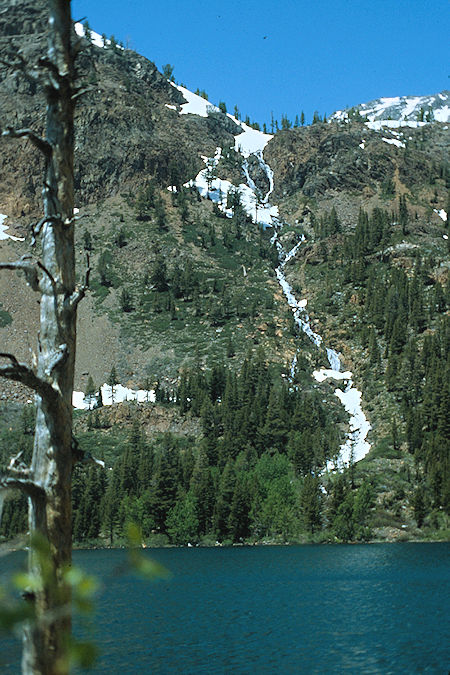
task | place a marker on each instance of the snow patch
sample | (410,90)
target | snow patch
(442,214)
(196,105)
(324,373)
(394,141)
(217,190)
(96,38)
(394,124)
(356,447)
(3,228)
(250,141)
(171,107)
(119,395)
(442,114)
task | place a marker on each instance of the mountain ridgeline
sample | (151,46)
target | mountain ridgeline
(276,294)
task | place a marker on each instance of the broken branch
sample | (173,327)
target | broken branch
(20,372)
(36,229)
(29,487)
(81,292)
(28,266)
(39,142)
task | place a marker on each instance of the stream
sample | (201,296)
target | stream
(356,445)
(251,142)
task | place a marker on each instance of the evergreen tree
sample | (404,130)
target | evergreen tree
(90,391)
(167,71)
(87,241)
(158,276)
(112,381)
(222,506)
(182,521)
(310,503)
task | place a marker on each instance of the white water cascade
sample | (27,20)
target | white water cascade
(356,446)
(252,143)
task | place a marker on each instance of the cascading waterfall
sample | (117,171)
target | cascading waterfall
(356,446)
(252,143)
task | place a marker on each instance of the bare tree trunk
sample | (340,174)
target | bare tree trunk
(46,643)
(47,482)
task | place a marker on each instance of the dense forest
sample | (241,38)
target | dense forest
(256,471)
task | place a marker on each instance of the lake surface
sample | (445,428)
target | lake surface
(380,608)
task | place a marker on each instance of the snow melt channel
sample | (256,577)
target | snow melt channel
(252,142)
(356,446)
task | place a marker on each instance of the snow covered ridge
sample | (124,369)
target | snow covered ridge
(402,109)
(96,38)
(249,142)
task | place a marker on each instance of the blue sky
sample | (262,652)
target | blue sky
(290,55)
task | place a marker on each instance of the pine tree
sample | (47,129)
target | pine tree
(158,276)
(374,349)
(394,435)
(239,520)
(222,507)
(403,214)
(204,491)
(90,391)
(112,381)
(275,431)
(167,71)
(311,503)
(419,505)
(230,348)
(182,521)
(87,241)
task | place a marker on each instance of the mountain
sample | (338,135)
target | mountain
(283,298)
(403,109)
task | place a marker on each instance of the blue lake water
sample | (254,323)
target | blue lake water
(380,608)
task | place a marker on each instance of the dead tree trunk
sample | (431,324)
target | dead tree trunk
(47,482)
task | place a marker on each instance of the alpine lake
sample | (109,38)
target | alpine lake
(370,608)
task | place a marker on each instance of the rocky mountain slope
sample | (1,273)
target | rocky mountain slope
(402,108)
(184,272)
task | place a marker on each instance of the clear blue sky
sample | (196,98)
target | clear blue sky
(290,55)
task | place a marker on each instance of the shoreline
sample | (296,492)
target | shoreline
(13,546)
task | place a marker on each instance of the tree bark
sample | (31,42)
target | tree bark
(46,639)
(50,516)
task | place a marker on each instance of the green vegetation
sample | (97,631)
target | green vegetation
(393,304)
(5,317)
(252,473)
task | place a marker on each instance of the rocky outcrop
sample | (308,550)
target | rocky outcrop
(124,127)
